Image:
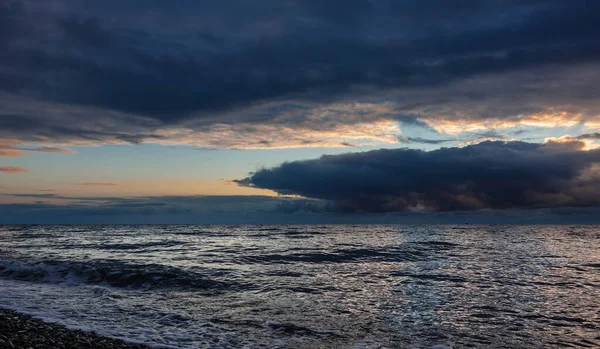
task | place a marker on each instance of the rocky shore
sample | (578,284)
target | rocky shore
(23,331)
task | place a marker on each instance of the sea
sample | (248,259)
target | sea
(311,286)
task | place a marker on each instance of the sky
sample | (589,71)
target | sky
(277,111)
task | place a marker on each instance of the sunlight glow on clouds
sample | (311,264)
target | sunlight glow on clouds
(577,142)
(278,136)
(542,120)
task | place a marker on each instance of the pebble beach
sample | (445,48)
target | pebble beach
(23,331)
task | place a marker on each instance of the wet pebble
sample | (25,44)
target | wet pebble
(23,331)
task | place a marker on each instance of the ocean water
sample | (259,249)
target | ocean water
(311,286)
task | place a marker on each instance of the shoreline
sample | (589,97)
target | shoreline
(18,330)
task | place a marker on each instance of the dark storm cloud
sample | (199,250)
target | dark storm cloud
(494,175)
(46,123)
(169,63)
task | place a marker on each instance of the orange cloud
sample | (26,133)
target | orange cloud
(12,169)
(9,147)
(578,144)
(549,119)
(10,152)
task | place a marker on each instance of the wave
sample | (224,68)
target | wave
(337,256)
(109,273)
(430,277)
(136,246)
(408,252)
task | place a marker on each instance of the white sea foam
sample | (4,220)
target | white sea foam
(87,309)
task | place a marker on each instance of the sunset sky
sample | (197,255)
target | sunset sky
(183,111)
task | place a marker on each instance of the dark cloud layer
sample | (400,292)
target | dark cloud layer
(54,208)
(252,210)
(150,64)
(496,175)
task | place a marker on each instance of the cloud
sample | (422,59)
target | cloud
(10,152)
(496,175)
(246,136)
(57,209)
(10,147)
(38,196)
(12,169)
(594,136)
(7,148)
(175,205)
(582,142)
(100,184)
(85,73)
(49,150)
(424,140)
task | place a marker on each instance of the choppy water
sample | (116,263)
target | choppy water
(311,286)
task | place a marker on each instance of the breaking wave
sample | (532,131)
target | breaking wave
(110,273)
